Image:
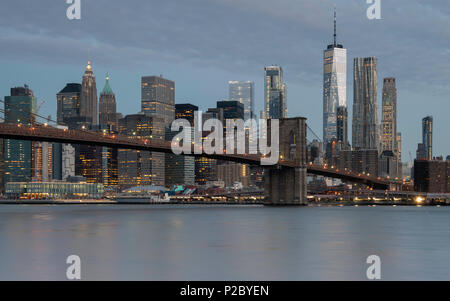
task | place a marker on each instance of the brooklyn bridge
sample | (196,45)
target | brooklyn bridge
(285,182)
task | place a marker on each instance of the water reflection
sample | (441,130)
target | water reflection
(223,243)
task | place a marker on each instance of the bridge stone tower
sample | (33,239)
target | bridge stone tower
(287,185)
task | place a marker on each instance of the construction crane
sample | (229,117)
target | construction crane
(40,106)
(33,120)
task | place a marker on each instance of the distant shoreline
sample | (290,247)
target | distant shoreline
(324,204)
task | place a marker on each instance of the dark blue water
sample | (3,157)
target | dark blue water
(135,242)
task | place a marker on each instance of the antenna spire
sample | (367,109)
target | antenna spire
(335,25)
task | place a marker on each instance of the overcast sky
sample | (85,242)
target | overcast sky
(201,44)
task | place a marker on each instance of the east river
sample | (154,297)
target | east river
(202,242)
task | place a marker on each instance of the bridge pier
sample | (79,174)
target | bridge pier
(286,186)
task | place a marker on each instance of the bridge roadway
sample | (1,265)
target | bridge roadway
(41,132)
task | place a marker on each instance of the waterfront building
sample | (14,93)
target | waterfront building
(205,168)
(389,165)
(243,92)
(136,168)
(427,136)
(89,162)
(231,173)
(275,97)
(334,90)
(53,190)
(18,154)
(365,107)
(43,164)
(432,176)
(181,169)
(158,100)
(359,161)
(63,157)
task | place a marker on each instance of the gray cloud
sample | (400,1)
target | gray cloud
(238,37)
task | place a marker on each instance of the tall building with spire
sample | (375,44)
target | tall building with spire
(334,87)
(108,122)
(88,102)
(107,107)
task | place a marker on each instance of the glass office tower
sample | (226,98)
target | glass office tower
(242,91)
(18,153)
(275,100)
(334,87)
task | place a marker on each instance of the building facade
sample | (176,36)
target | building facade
(243,92)
(88,101)
(107,107)
(432,176)
(18,154)
(138,168)
(365,134)
(389,116)
(43,163)
(342,127)
(334,87)
(181,169)
(427,136)
(158,98)
(68,103)
(275,97)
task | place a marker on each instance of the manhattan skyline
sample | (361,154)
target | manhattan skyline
(189,51)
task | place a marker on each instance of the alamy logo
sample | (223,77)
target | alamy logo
(374,270)
(235,138)
(374,10)
(74,10)
(73,271)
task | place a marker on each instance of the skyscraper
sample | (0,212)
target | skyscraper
(342,126)
(108,123)
(181,169)
(158,98)
(334,87)
(427,136)
(107,107)
(242,91)
(365,106)
(390,159)
(68,103)
(389,116)
(140,167)
(88,102)
(275,98)
(18,155)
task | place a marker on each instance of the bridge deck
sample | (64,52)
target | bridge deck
(51,134)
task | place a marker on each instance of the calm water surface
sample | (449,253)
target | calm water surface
(138,242)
